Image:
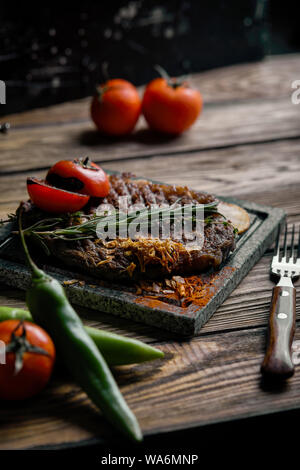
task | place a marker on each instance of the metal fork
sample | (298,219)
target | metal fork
(285,265)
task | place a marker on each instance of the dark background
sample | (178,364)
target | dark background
(50,54)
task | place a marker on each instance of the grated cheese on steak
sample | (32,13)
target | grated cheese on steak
(127,259)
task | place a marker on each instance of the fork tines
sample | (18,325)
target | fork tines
(287,254)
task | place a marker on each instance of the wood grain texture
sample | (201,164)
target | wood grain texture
(218,126)
(209,379)
(246,144)
(266,173)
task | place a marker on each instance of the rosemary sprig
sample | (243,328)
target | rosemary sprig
(118,220)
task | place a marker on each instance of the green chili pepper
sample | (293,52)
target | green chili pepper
(12,313)
(50,308)
(117,350)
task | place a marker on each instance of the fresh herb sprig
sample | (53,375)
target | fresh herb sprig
(118,220)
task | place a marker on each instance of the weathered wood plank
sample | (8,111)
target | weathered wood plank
(215,376)
(267,173)
(209,379)
(246,307)
(270,78)
(244,170)
(227,125)
(220,171)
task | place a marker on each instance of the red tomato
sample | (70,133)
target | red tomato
(82,176)
(51,199)
(171,107)
(116,107)
(36,367)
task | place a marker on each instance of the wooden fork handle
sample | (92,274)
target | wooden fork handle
(278,359)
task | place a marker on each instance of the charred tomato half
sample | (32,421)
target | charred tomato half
(80,176)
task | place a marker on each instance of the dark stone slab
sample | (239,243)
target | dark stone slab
(183,321)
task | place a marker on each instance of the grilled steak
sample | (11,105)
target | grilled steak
(127,259)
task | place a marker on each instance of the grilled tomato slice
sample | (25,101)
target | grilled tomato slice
(54,200)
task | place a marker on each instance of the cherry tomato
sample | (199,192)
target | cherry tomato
(51,199)
(116,107)
(82,176)
(170,106)
(29,375)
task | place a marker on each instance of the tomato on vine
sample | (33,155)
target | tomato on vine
(30,357)
(82,176)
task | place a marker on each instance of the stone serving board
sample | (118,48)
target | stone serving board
(184,321)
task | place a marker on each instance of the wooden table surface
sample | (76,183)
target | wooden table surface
(246,144)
